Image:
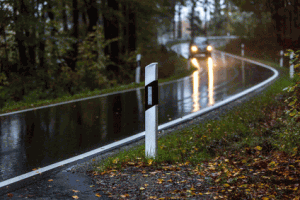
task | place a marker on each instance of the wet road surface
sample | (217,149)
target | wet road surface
(44,136)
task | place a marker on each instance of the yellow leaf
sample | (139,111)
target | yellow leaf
(92,186)
(142,188)
(98,195)
(226,185)
(150,161)
(50,180)
(124,195)
(258,148)
(75,190)
(265,198)
(94,160)
(244,161)
(75,197)
(115,161)
(160,180)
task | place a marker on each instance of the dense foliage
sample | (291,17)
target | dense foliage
(294,88)
(52,48)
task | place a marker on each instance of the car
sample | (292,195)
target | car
(200,52)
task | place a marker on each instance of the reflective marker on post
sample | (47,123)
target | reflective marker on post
(243,49)
(151,110)
(281,58)
(138,68)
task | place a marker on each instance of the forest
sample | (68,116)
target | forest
(52,48)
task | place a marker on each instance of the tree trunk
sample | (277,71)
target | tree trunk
(93,16)
(125,37)
(111,31)
(179,35)
(42,39)
(64,17)
(131,29)
(20,38)
(192,21)
(75,34)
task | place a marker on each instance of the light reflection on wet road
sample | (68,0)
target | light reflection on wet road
(41,137)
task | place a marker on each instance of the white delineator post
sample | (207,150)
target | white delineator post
(151,110)
(223,59)
(138,68)
(291,65)
(281,58)
(243,49)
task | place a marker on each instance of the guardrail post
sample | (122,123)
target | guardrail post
(138,68)
(243,49)
(281,58)
(291,65)
(151,110)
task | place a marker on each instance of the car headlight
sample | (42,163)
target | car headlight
(194,48)
(209,48)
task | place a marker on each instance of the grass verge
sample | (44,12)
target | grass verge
(251,152)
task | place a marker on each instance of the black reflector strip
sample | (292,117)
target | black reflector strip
(151,94)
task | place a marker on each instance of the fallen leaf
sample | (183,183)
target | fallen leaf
(75,197)
(124,195)
(98,195)
(50,180)
(150,161)
(75,191)
(258,148)
(92,185)
(10,195)
(142,188)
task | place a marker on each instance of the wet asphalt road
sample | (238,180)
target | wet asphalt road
(62,187)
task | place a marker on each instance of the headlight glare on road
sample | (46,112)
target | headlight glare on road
(209,48)
(194,48)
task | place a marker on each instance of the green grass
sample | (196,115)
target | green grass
(260,121)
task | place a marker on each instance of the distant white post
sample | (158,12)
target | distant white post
(243,49)
(281,58)
(223,59)
(243,72)
(151,110)
(138,68)
(291,65)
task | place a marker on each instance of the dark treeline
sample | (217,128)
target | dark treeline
(273,18)
(53,48)
(66,46)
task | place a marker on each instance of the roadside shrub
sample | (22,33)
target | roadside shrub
(294,89)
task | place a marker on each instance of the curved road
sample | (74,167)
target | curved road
(51,136)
